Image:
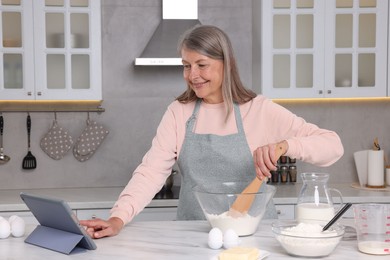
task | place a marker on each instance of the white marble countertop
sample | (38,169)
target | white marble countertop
(171,240)
(104,198)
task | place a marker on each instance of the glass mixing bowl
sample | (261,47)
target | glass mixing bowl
(217,199)
(306,239)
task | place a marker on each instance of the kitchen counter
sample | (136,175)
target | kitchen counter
(104,198)
(171,240)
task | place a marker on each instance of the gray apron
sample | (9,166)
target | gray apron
(208,158)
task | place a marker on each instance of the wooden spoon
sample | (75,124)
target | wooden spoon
(244,201)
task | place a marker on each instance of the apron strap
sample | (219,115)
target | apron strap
(191,121)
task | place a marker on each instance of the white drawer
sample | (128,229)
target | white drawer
(157,214)
(27,216)
(148,214)
(285,211)
(84,214)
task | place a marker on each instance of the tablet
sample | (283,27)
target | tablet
(58,223)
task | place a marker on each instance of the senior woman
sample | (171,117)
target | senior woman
(217,130)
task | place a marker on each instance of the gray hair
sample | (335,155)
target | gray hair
(212,42)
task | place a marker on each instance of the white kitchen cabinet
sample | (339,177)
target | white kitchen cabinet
(83,214)
(51,50)
(316,49)
(27,216)
(148,214)
(153,214)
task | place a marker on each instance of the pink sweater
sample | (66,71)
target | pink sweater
(264,122)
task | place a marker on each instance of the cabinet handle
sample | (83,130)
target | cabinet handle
(39,93)
(329,91)
(29,93)
(278,212)
(320,92)
(94,216)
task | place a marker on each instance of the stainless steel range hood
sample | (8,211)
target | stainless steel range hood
(161,50)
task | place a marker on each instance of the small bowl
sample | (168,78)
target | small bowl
(217,199)
(307,240)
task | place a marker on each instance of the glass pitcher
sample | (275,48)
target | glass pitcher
(314,200)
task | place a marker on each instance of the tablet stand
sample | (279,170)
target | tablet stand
(54,239)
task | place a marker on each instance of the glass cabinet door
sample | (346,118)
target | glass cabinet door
(65,51)
(357,48)
(293,43)
(16,50)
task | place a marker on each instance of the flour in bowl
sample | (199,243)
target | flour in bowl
(244,225)
(308,230)
(306,239)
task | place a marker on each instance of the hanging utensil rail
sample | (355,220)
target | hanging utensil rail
(51,106)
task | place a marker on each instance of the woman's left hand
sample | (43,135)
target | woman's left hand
(266,158)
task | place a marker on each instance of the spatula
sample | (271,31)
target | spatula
(244,201)
(29,161)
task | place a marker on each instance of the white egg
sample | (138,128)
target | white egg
(230,239)
(5,228)
(17,227)
(12,218)
(215,238)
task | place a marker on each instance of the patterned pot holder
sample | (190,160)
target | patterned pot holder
(57,142)
(89,140)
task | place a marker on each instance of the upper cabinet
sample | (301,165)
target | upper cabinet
(332,48)
(51,50)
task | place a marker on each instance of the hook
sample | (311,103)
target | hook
(88,118)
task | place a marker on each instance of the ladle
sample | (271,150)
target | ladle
(3,158)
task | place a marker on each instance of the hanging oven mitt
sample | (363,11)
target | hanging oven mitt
(57,142)
(89,140)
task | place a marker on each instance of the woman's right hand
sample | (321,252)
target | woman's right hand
(266,158)
(98,228)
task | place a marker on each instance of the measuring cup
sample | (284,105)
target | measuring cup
(372,222)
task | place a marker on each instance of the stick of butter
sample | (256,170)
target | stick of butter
(239,253)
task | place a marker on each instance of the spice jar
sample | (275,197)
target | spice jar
(283,173)
(292,160)
(275,175)
(292,172)
(283,159)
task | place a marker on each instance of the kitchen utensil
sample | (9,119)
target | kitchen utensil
(3,158)
(29,161)
(372,222)
(337,216)
(314,200)
(215,200)
(243,202)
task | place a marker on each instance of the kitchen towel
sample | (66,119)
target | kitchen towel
(376,169)
(89,140)
(57,142)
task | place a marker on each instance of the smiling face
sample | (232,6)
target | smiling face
(204,75)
